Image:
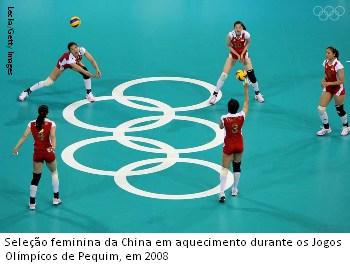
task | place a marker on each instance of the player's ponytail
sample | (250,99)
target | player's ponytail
(43,110)
(334,51)
(232,106)
(241,23)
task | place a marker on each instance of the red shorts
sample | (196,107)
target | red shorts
(233,147)
(338,91)
(245,55)
(44,155)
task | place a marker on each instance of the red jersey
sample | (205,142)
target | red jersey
(330,70)
(238,42)
(42,143)
(41,137)
(233,123)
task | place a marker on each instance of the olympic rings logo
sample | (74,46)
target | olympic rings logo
(122,135)
(328,12)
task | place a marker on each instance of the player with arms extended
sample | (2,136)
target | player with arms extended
(233,142)
(72,60)
(238,42)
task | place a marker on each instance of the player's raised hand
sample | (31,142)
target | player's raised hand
(246,84)
(15,151)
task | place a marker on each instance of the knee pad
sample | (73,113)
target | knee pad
(236,166)
(251,76)
(223,76)
(321,109)
(36,179)
(340,110)
(48,81)
(84,76)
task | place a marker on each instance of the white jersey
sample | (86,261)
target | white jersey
(77,60)
(233,34)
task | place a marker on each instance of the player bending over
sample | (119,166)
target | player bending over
(72,60)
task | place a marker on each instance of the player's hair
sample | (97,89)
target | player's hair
(70,44)
(43,110)
(334,50)
(232,105)
(241,23)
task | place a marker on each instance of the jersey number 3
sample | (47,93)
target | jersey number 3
(234,128)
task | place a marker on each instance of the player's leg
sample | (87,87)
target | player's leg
(37,169)
(248,66)
(226,160)
(236,165)
(87,82)
(324,101)
(227,68)
(55,182)
(339,105)
(48,82)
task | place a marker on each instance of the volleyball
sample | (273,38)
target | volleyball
(75,21)
(241,75)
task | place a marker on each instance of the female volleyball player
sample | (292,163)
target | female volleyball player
(71,59)
(44,134)
(233,142)
(238,42)
(333,86)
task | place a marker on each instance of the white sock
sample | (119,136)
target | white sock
(87,84)
(236,176)
(37,86)
(32,191)
(255,87)
(324,117)
(223,178)
(344,119)
(55,182)
(221,82)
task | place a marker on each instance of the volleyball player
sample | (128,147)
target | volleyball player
(233,142)
(238,42)
(333,87)
(69,60)
(43,131)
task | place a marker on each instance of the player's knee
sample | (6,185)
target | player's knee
(340,110)
(236,166)
(224,172)
(48,81)
(251,76)
(223,76)
(321,109)
(36,179)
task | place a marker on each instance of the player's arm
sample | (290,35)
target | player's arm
(53,137)
(221,124)
(340,78)
(247,45)
(78,68)
(246,97)
(339,81)
(93,63)
(21,141)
